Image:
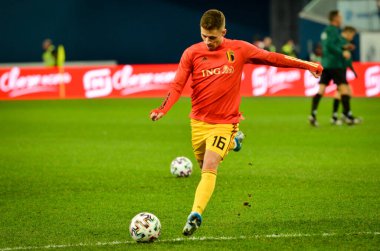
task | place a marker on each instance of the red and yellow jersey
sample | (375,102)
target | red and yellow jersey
(216,77)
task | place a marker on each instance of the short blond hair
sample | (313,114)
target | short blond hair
(213,19)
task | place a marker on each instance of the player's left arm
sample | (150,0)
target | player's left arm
(259,56)
(176,87)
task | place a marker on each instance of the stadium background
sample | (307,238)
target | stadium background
(156,32)
(133,32)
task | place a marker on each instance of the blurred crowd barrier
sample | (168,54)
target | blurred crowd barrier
(124,81)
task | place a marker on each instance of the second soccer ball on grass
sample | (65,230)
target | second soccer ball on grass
(181,167)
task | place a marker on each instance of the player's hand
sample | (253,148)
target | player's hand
(346,54)
(318,72)
(156,115)
(349,47)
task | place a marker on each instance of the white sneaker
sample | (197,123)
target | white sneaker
(313,121)
(336,121)
(351,120)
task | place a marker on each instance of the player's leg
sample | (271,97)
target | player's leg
(323,82)
(237,143)
(218,143)
(199,134)
(203,192)
(345,92)
(315,102)
(207,183)
(198,140)
(343,89)
(348,117)
(334,119)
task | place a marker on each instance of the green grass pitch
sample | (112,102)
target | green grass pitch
(73,173)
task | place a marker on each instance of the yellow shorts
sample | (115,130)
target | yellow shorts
(218,138)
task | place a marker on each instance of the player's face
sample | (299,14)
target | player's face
(338,20)
(350,36)
(212,38)
(46,44)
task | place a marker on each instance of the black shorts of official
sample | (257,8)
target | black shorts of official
(337,75)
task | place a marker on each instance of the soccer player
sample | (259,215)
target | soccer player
(215,66)
(333,60)
(347,35)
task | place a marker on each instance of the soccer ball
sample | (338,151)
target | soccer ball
(145,227)
(181,167)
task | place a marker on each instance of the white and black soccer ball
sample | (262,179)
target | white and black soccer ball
(181,167)
(145,227)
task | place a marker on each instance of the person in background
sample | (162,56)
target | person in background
(258,42)
(347,35)
(289,48)
(334,61)
(49,56)
(268,45)
(316,54)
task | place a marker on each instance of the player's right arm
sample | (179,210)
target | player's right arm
(256,55)
(176,87)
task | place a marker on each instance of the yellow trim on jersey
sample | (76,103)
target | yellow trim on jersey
(302,61)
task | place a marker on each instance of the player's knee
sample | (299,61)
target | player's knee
(211,163)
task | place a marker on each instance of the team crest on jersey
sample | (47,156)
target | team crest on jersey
(230,56)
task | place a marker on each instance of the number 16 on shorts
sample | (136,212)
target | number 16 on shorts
(219,144)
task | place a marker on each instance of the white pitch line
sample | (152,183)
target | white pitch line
(206,238)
